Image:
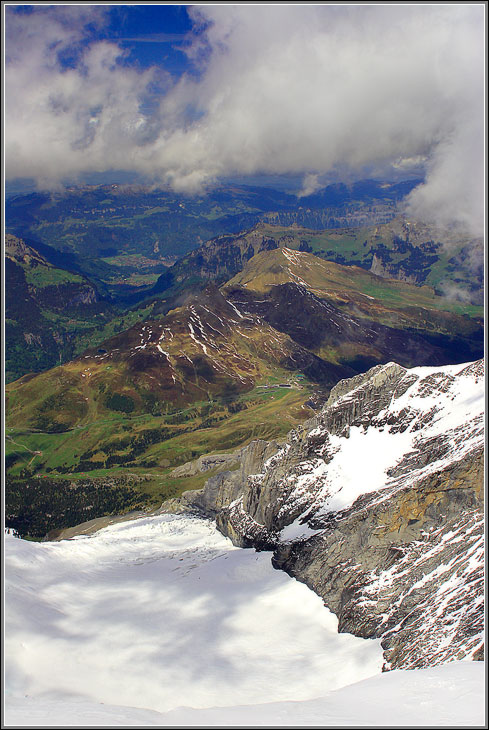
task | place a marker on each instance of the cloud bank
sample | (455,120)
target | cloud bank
(280,89)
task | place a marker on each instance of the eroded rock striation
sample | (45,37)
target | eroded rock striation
(375,504)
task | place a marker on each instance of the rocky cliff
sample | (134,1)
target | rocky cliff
(376,504)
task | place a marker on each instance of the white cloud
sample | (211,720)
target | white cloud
(310,184)
(284,89)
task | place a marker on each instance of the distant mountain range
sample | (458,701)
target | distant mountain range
(119,232)
(449,262)
(52,330)
(125,242)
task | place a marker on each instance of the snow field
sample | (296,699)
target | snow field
(163,612)
(451,695)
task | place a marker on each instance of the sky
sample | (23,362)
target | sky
(186,95)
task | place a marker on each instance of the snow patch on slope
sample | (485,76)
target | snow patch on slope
(437,421)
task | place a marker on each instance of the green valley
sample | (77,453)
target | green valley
(124,364)
(136,454)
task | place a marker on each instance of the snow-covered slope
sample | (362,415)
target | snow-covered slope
(162,621)
(376,504)
(164,612)
(451,695)
(391,428)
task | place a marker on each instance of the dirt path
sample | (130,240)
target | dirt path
(23,446)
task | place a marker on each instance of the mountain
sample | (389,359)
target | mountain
(217,260)
(46,309)
(201,351)
(114,221)
(63,325)
(205,377)
(228,366)
(287,311)
(450,262)
(135,278)
(355,292)
(448,259)
(376,503)
(53,313)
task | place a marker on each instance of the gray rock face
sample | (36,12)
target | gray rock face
(376,504)
(224,488)
(208,462)
(408,570)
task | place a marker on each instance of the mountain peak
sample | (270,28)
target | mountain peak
(17,250)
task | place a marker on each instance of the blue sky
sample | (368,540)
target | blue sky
(153,34)
(186,95)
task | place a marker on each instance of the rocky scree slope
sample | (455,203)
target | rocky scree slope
(376,504)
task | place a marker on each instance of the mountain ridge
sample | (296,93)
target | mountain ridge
(376,504)
(221,368)
(449,261)
(47,309)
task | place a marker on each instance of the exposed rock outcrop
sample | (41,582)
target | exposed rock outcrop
(222,489)
(207,462)
(376,504)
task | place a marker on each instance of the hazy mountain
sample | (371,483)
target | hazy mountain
(123,236)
